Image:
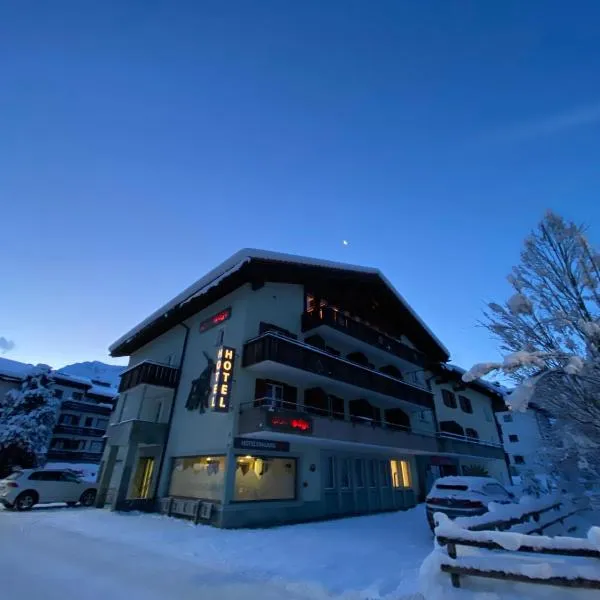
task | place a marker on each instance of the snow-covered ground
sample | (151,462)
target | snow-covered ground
(152,556)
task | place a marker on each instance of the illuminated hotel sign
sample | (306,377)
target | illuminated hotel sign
(215,320)
(289,422)
(221,389)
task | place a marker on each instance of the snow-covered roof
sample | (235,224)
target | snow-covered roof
(19,370)
(13,368)
(235,262)
(497,388)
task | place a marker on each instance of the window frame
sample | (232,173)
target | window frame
(359,473)
(469,431)
(331,470)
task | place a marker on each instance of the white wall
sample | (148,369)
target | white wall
(482,418)
(525,426)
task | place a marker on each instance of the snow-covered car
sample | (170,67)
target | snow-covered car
(24,489)
(464,496)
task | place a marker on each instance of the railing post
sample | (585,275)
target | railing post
(454,577)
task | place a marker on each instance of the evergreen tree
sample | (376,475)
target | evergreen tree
(28,416)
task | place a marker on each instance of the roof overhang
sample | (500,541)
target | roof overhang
(258,266)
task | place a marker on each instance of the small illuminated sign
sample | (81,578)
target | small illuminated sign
(215,320)
(289,422)
(221,389)
(260,444)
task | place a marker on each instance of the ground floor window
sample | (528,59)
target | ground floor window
(400,473)
(198,477)
(263,478)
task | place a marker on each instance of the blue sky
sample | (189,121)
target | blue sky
(144,142)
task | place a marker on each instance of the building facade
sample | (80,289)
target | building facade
(86,405)
(524,434)
(280,389)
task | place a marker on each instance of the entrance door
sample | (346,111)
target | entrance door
(143,478)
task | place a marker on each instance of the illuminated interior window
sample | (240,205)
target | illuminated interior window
(310,303)
(198,477)
(262,478)
(400,473)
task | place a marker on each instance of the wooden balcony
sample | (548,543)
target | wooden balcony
(271,347)
(330,317)
(83,431)
(150,373)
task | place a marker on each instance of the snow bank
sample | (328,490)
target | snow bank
(375,557)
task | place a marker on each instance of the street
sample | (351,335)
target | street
(40,561)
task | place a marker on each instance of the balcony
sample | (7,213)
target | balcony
(335,429)
(332,430)
(329,317)
(273,349)
(86,407)
(450,443)
(150,373)
(83,431)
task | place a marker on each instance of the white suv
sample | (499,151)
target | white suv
(23,489)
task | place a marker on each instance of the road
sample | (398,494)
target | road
(41,561)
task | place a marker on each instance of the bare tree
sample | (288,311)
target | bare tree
(550,330)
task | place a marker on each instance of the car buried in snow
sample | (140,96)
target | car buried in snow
(464,497)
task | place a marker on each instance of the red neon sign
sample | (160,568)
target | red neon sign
(291,423)
(215,320)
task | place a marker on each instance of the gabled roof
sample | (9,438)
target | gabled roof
(249,265)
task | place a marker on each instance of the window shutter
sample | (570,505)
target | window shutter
(290,396)
(260,388)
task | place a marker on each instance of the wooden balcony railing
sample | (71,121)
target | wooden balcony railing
(276,348)
(150,373)
(361,331)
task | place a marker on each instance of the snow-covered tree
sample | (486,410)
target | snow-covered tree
(28,416)
(550,330)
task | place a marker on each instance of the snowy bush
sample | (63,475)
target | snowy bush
(28,416)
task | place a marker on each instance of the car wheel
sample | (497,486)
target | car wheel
(88,498)
(26,501)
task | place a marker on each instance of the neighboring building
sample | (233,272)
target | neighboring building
(85,409)
(524,433)
(279,389)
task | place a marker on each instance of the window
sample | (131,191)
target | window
(345,473)
(89,422)
(77,395)
(46,476)
(465,404)
(513,438)
(384,470)
(198,477)
(471,433)
(68,420)
(260,478)
(358,473)
(372,473)
(507,418)
(449,399)
(330,473)
(272,395)
(69,477)
(400,473)
(96,447)
(101,423)
(66,444)
(310,303)
(58,394)
(519,460)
